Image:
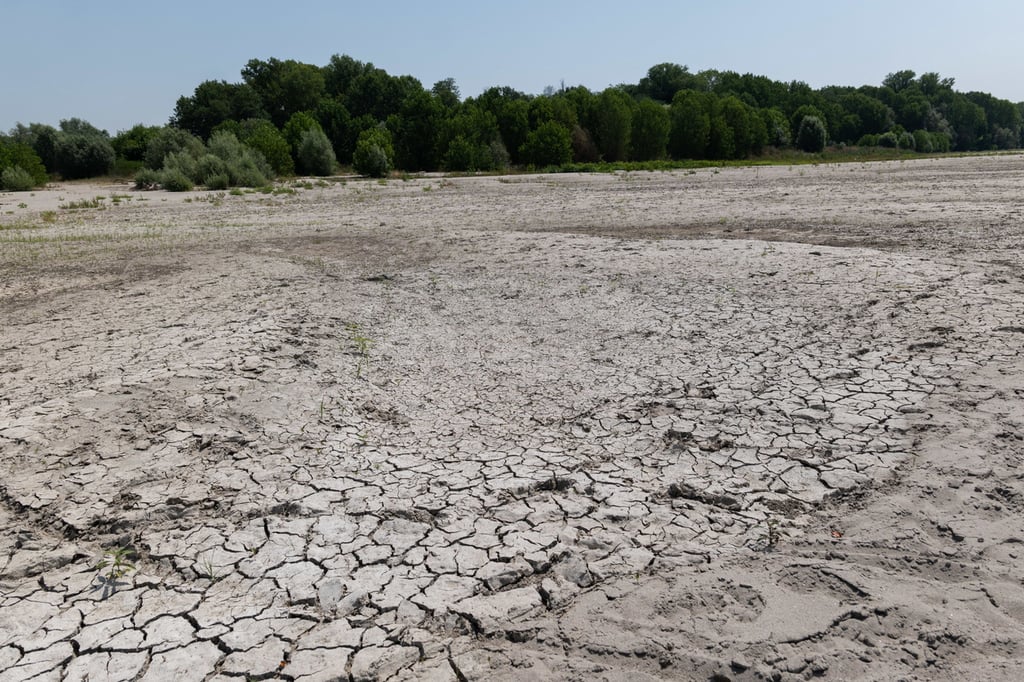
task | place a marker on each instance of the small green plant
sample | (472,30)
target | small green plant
(773,534)
(208,569)
(116,563)
(362,344)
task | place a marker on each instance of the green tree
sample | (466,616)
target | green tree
(613,124)
(416,130)
(298,123)
(468,139)
(315,154)
(900,80)
(43,140)
(549,145)
(552,109)
(511,111)
(374,153)
(802,112)
(284,87)
(168,140)
(690,116)
(82,150)
(261,135)
(131,144)
(811,136)
(968,122)
(30,168)
(214,102)
(336,122)
(776,127)
(663,81)
(447,92)
(339,74)
(651,126)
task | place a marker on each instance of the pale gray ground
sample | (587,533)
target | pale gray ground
(535,427)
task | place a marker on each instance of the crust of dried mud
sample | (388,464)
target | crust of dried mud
(736,424)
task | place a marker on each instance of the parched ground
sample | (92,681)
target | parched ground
(740,424)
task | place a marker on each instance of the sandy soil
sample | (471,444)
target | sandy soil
(719,425)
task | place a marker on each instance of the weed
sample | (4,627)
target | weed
(209,569)
(235,192)
(84,203)
(22,205)
(773,534)
(116,562)
(362,344)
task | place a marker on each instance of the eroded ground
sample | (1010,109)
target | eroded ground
(749,423)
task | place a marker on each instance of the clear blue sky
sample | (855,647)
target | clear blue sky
(117,63)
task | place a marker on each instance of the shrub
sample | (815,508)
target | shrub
(374,154)
(868,140)
(218,181)
(24,156)
(941,142)
(803,112)
(297,125)
(147,178)
(906,141)
(181,162)
(315,154)
(245,166)
(175,180)
(811,136)
(889,139)
(16,179)
(549,145)
(499,155)
(261,135)
(207,167)
(923,142)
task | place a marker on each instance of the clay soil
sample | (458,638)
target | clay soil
(734,424)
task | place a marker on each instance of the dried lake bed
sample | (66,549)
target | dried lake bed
(752,423)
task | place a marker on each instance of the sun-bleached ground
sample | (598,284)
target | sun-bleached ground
(759,423)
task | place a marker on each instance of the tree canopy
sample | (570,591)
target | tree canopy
(298,116)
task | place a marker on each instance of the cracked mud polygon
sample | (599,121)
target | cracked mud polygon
(732,424)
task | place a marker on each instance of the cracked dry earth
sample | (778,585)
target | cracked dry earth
(759,423)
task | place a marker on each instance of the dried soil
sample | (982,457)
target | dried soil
(736,424)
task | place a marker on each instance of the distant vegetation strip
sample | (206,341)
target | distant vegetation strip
(286,117)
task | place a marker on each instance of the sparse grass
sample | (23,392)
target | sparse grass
(96,202)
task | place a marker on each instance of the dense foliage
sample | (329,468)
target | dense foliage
(21,169)
(297,117)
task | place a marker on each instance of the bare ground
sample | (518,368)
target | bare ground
(745,424)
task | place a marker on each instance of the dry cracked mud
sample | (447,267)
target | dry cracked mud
(736,424)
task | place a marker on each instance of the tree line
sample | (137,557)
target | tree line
(286,117)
